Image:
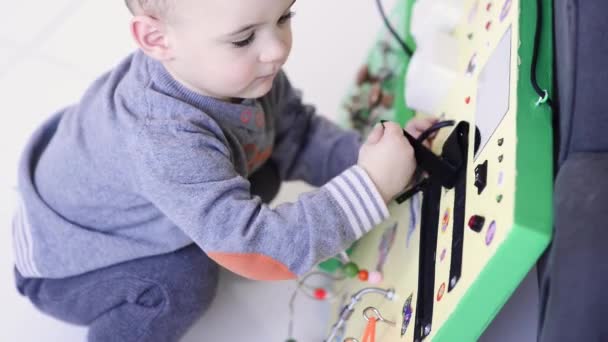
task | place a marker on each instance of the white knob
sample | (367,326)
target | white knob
(430,16)
(432,74)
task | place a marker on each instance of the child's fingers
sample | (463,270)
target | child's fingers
(392,128)
(422,124)
(418,125)
(375,135)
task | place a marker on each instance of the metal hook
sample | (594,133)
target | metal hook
(378,315)
(348,310)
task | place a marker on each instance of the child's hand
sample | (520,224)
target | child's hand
(388,158)
(418,125)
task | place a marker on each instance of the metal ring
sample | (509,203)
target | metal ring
(542,99)
(378,315)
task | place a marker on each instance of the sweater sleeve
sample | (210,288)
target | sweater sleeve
(308,147)
(186,172)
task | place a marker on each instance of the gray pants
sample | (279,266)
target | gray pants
(154,299)
(150,299)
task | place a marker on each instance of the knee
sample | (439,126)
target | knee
(193,288)
(198,292)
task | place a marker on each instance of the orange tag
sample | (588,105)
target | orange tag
(369,335)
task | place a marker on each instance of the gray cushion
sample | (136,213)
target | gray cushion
(581,35)
(576,300)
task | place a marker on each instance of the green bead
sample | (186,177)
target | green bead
(499,198)
(351,269)
(291,340)
(330,265)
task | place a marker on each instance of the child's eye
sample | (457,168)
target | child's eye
(245,42)
(286,17)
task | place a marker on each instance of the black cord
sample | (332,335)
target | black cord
(539,24)
(434,128)
(388,25)
(412,191)
(542,93)
(420,185)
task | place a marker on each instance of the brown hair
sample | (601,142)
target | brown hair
(156,8)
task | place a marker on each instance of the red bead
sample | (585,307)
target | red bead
(476,223)
(320,294)
(363,275)
(472,221)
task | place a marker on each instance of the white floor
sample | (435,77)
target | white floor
(50,51)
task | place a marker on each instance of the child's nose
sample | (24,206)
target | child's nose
(276,51)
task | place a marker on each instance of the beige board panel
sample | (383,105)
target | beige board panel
(488,36)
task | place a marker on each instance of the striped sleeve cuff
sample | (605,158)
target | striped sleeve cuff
(23,244)
(359,198)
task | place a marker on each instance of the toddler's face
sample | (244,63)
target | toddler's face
(229,48)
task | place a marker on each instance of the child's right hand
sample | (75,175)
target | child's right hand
(388,159)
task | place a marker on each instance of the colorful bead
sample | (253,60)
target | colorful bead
(363,275)
(351,269)
(375,277)
(320,294)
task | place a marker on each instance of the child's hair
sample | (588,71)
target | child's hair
(157,8)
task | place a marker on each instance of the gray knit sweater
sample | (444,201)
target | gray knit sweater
(142,166)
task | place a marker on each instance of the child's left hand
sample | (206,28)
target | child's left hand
(418,125)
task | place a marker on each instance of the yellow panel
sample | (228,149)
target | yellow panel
(478,34)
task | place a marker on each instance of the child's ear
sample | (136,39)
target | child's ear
(150,34)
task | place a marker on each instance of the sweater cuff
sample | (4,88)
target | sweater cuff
(359,199)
